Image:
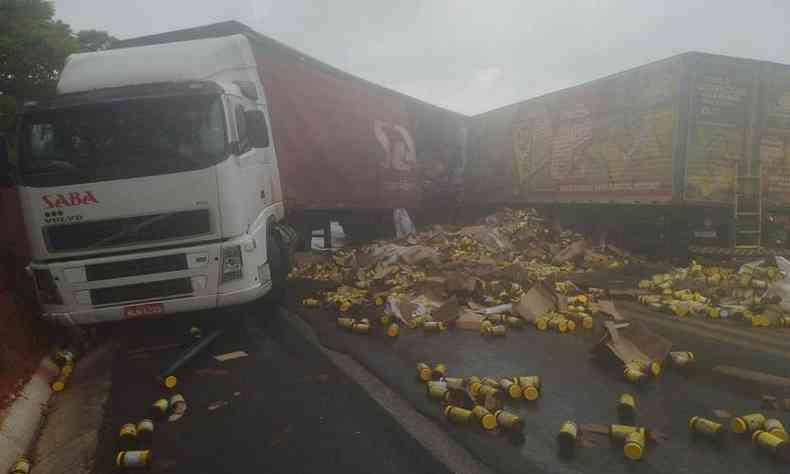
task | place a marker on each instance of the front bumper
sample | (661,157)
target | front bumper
(101,289)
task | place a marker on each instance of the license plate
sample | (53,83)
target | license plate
(143,310)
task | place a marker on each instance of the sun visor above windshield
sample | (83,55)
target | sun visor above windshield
(173,62)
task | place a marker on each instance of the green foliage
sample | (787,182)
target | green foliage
(33,47)
(94,40)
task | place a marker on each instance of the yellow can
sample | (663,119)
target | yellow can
(708,428)
(170,381)
(497,331)
(433,326)
(496,318)
(133,459)
(571,325)
(484,417)
(514,322)
(457,414)
(681,358)
(145,431)
(159,408)
(512,388)
(127,436)
(530,387)
(633,373)
(485,326)
(490,382)
(60,383)
(439,371)
(361,328)
(568,438)
(634,447)
(345,323)
(392,330)
(776,428)
(747,423)
(773,444)
(626,408)
(436,390)
(621,432)
(541,323)
(424,371)
(21,466)
(67,369)
(587,322)
(508,420)
(455,383)
(385,319)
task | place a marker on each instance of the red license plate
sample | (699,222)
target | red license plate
(143,310)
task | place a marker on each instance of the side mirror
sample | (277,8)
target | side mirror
(257,130)
(6,169)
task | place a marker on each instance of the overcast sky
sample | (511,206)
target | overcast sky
(471,56)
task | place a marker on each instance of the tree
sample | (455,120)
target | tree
(94,40)
(33,47)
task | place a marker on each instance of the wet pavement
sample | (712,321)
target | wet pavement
(282,409)
(575,388)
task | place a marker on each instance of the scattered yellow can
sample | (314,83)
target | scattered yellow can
(626,408)
(361,328)
(433,326)
(21,466)
(133,459)
(385,319)
(772,444)
(708,428)
(485,326)
(530,387)
(170,381)
(345,323)
(514,322)
(541,323)
(512,388)
(457,414)
(508,420)
(439,371)
(436,389)
(776,428)
(497,331)
(159,408)
(127,436)
(567,438)
(747,423)
(633,373)
(621,432)
(490,382)
(393,330)
(486,419)
(634,447)
(145,431)
(424,371)
(455,383)
(681,358)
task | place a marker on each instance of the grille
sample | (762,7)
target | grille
(141,291)
(128,230)
(140,266)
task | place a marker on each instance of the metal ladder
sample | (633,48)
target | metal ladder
(748,208)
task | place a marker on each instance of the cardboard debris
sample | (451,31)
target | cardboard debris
(538,300)
(632,341)
(607,307)
(572,252)
(459,283)
(469,320)
(230,356)
(449,312)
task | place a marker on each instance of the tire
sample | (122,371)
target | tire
(278,266)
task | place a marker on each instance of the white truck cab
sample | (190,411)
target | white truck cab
(149,185)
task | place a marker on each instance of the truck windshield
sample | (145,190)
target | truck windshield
(122,139)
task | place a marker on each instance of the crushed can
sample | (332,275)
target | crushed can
(708,428)
(20,466)
(681,358)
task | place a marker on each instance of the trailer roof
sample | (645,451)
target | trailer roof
(227,28)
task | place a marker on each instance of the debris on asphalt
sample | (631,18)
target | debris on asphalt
(708,428)
(218,404)
(20,466)
(145,432)
(160,407)
(626,408)
(178,406)
(133,459)
(568,438)
(747,424)
(772,444)
(230,356)
(635,346)
(185,356)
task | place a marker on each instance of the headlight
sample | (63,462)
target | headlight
(47,290)
(231,263)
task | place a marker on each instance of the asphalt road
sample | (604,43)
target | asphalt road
(574,388)
(283,408)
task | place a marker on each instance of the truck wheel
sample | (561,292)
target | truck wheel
(278,265)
